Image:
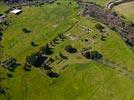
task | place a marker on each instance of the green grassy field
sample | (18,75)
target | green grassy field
(126,10)
(80,79)
(3,7)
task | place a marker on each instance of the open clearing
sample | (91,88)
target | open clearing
(80,78)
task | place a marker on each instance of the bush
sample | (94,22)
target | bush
(58,3)
(36,59)
(27,67)
(62,56)
(70,49)
(46,67)
(25,30)
(47,50)
(52,74)
(1,36)
(2,90)
(103,38)
(94,55)
(9,75)
(11,64)
(99,27)
(33,44)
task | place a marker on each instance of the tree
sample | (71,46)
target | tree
(36,59)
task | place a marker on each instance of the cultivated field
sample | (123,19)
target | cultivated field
(126,9)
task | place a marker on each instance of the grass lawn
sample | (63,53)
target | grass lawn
(77,81)
(3,7)
(80,79)
(45,23)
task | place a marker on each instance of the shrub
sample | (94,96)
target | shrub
(11,64)
(33,44)
(62,56)
(94,55)
(27,67)
(52,74)
(9,75)
(2,90)
(70,49)
(25,30)
(1,36)
(99,27)
(47,50)
(36,59)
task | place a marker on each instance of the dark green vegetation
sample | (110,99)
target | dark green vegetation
(52,52)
